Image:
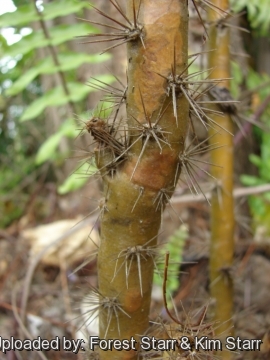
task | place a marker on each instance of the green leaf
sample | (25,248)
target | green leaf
(253,79)
(56,97)
(23,15)
(68,62)
(47,151)
(68,128)
(22,82)
(75,181)
(175,246)
(251,180)
(48,148)
(63,7)
(258,206)
(255,159)
(58,34)
(27,13)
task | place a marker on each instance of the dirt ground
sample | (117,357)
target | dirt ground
(57,295)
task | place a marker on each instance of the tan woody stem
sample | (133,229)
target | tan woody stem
(135,194)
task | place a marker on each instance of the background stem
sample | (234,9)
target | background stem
(222,209)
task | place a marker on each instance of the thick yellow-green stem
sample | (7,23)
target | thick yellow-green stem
(132,217)
(222,209)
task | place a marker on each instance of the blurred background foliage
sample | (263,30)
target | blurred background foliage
(37,113)
(257,13)
(40,99)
